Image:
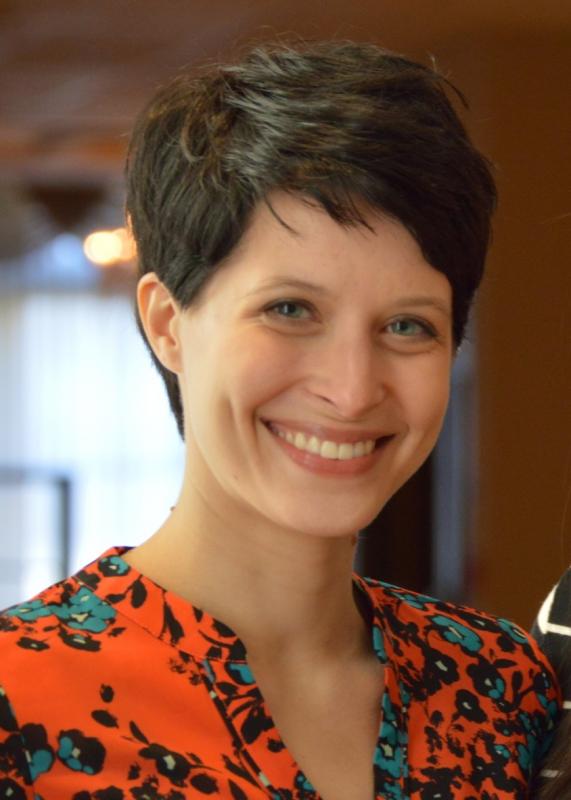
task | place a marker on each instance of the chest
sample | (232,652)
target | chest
(187,727)
(335,753)
(332,730)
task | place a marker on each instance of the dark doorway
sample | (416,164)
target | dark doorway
(397,546)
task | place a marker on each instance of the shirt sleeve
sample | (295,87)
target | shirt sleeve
(15,778)
(539,628)
(552,631)
(547,700)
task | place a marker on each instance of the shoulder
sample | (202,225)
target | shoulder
(469,636)
(67,611)
(50,647)
(430,612)
(470,667)
(34,614)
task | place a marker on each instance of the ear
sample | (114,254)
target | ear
(160,315)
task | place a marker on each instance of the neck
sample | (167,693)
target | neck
(281,591)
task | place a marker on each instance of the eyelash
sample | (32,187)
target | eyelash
(273,308)
(427,330)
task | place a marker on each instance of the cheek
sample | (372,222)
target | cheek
(427,393)
(437,400)
(258,368)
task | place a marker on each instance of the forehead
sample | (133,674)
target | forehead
(289,236)
(292,245)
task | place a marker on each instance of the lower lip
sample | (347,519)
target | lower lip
(331,466)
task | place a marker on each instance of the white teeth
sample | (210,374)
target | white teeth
(345,452)
(327,449)
(299,441)
(359,449)
(314,445)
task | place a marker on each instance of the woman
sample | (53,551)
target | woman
(311,225)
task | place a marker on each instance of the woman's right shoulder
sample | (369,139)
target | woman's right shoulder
(28,627)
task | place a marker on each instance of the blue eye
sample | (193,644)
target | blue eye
(289,309)
(409,328)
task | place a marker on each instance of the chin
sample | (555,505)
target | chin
(341,523)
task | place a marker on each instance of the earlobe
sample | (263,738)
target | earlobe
(159,314)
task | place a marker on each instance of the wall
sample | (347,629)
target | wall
(519,89)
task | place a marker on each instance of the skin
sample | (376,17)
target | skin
(262,535)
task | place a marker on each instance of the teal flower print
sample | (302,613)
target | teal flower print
(113,565)
(81,753)
(456,633)
(379,644)
(388,754)
(241,673)
(513,631)
(29,612)
(86,612)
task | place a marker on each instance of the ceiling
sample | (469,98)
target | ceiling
(73,73)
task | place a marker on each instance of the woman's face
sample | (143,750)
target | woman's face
(314,371)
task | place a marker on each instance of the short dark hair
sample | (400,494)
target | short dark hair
(346,124)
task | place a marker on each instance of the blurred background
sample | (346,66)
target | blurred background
(89,456)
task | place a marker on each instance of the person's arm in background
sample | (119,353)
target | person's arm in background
(552,631)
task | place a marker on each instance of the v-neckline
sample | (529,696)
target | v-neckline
(222,660)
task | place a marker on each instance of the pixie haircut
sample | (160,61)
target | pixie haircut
(349,126)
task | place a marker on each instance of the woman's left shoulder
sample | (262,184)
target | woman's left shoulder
(475,682)
(459,629)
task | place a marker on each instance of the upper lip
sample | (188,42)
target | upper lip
(324,433)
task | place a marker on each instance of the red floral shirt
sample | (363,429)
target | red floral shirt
(113,689)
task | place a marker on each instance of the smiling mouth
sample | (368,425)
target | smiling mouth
(325,448)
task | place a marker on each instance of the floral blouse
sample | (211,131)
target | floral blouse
(114,689)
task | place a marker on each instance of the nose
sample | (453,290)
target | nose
(349,376)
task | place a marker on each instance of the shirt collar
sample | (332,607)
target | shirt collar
(169,617)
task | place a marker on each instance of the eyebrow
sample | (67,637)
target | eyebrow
(418,301)
(289,283)
(424,301)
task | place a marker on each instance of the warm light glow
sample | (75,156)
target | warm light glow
(108,248)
